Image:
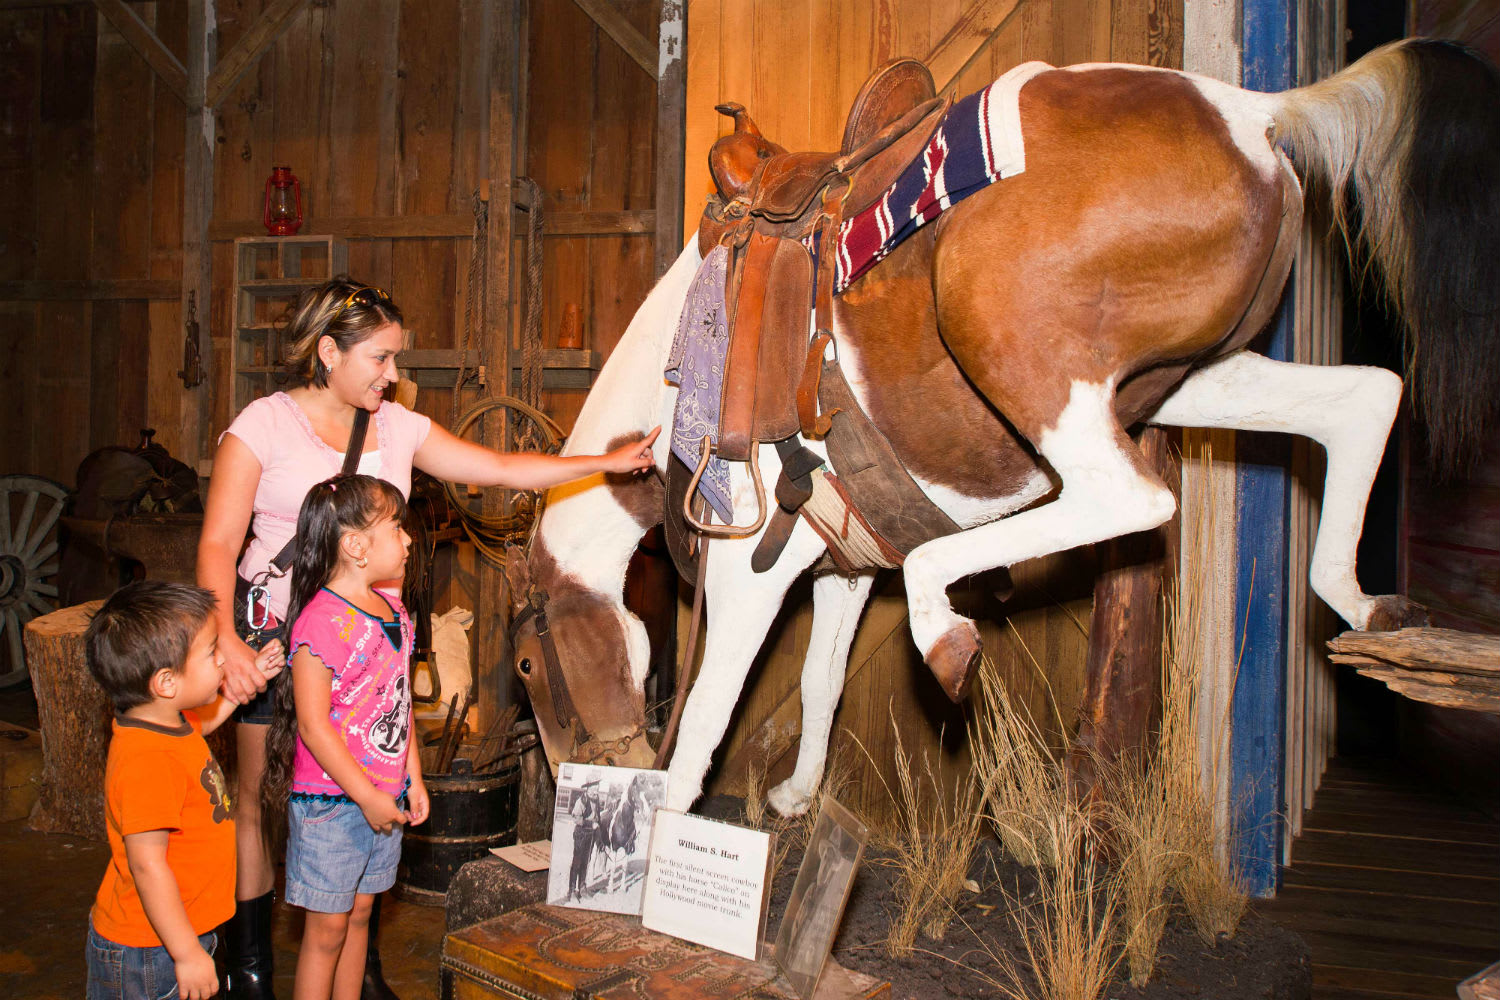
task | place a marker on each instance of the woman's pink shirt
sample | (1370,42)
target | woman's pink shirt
(293,459)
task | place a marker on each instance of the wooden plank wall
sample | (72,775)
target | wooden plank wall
(380,108)
(1317,329)
(796,66)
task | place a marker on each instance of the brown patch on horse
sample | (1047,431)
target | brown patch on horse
(1129,248)
(593,653)
(1136,238)
(644,497)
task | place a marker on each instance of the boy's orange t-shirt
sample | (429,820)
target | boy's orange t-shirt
(165,779)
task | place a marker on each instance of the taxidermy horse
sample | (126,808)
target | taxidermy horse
(1005,349)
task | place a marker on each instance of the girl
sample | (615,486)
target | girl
(342,768)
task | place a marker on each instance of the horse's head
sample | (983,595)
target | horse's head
(583,658)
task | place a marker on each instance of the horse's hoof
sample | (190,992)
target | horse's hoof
(786,801)
(954,658)
(1393,611)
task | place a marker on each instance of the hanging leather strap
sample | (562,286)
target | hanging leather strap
(282,561)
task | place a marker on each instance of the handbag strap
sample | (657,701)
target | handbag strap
(282,561)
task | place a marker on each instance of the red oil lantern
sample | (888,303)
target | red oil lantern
(283,211)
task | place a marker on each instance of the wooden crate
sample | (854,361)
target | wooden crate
(543,952)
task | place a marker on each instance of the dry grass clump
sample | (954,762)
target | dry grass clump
(933,839)
(1205,877)
(1070,932)
(1139,816)
(1021,781)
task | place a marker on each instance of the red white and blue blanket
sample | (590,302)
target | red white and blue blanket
(977,143)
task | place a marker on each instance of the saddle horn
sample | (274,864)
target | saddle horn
(734,159)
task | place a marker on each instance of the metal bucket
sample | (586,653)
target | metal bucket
(470,814)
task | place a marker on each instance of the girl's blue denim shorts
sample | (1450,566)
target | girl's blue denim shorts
(332,854)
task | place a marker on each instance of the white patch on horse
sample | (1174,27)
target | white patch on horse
(970,512)
(1348,409)
(1103,495)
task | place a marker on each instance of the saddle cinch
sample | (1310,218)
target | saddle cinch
(771,204)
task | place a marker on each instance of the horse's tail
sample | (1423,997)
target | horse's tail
(1414,127)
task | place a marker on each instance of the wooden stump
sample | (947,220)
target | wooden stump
(75,717)
(75,720)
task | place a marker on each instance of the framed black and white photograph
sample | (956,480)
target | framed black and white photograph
(818,896)
(601,828)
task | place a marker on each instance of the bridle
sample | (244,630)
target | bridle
(562,699)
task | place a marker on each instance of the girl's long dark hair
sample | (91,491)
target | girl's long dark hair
(331,509)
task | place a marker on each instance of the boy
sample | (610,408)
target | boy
(153,649)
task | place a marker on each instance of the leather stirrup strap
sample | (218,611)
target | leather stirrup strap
(684,669)
(793,489)
(282,561)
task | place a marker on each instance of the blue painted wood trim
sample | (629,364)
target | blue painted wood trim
(1263,493)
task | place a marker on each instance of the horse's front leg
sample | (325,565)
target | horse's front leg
(1107,490)
(1348,409)
(741,604)
(837,604)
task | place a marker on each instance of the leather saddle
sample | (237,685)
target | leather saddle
(772,202)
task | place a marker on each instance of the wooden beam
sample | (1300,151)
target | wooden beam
(671,133)
(28,4)
(122,289)
(359,227)
(505,40)
(141,38)
(599,223)
(636,45)
(196,404)
(457,225)
(248,50)
(966,39)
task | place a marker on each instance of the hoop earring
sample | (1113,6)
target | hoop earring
(362,562)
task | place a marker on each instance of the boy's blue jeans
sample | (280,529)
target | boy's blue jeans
(119,972)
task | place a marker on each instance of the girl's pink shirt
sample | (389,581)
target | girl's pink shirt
(293,459)
(369,691)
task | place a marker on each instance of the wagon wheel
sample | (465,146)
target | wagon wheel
(530,430)
(29,509)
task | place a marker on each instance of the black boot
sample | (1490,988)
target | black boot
(374,987)
(248,952)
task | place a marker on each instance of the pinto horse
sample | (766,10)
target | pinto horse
(1005,349)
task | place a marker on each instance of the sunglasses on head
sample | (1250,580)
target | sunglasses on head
(366,295)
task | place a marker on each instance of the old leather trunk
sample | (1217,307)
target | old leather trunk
(543,952)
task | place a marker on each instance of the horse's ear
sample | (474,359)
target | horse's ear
(518,575)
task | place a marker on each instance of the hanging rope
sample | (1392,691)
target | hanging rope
(490,533)
(473,318)
(531,324)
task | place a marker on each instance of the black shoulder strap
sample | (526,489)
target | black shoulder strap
(283,559)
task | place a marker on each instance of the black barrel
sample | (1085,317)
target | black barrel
(470,814)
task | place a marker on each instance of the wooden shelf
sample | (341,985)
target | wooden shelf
(270,272)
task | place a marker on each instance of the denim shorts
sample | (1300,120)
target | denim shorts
(120,972)
(332,854)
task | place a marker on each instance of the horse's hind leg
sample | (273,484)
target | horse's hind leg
(837,603)
(1107,490)
(1348,410)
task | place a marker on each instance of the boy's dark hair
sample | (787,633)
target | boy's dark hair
(141,628)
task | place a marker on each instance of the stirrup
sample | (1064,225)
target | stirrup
(706,450)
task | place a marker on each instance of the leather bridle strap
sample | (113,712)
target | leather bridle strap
(557,684)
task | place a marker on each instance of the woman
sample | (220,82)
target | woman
(345,336)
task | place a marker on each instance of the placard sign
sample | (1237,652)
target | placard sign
(707,882)
(818,896)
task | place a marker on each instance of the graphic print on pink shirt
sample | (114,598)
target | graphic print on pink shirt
(370,704)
